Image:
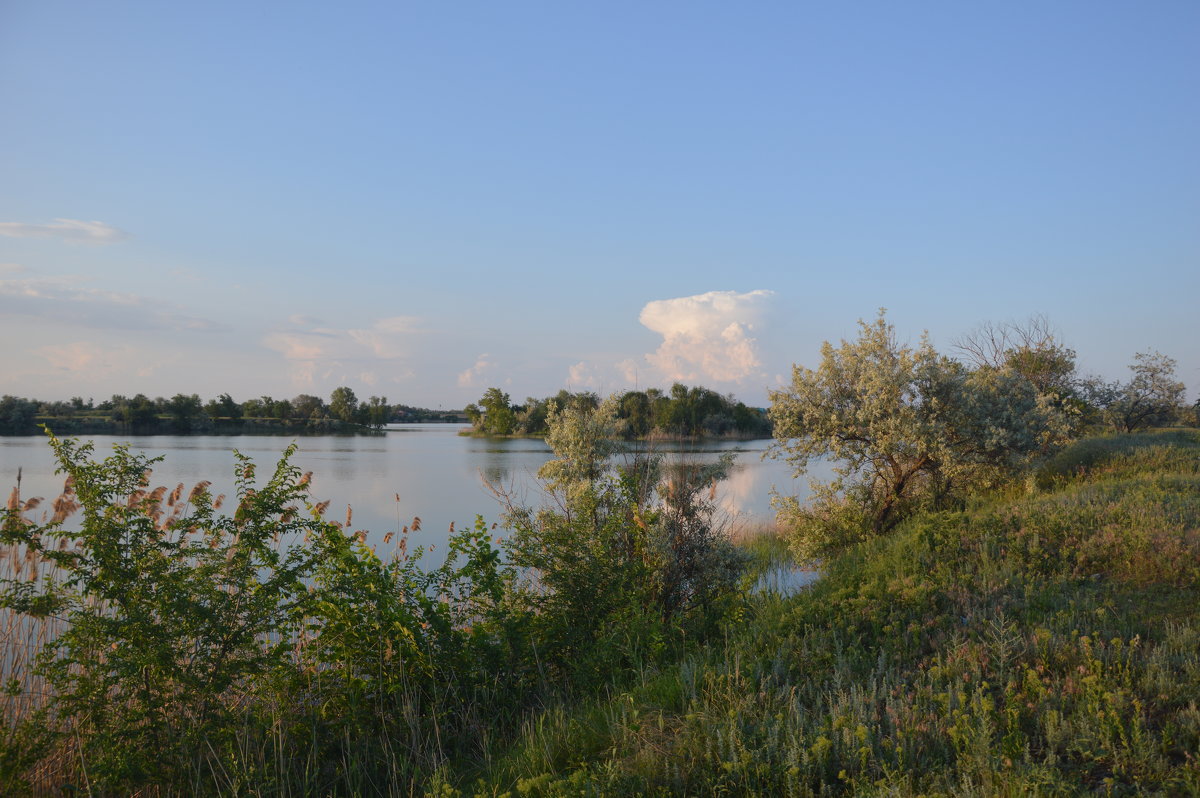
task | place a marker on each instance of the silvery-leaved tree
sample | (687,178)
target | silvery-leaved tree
(906,427)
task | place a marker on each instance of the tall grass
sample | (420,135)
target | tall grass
(1046,644)
(1039,642)
(155,646)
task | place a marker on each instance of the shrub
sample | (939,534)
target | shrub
(169,611)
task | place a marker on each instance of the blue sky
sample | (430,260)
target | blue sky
(422,200)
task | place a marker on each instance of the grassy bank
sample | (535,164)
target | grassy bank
(1046,643)
(1043,640)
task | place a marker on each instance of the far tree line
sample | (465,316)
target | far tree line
(680,412)
(188,413)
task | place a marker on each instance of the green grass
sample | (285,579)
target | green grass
(1046,644)
(1043,641)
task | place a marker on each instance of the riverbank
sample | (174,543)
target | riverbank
(1044,639)
(1032,643)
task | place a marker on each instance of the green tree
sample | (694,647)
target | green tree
(906,426)
(136,412)
(223,407)
(496,413)
(619,557)
(1031,349)
(636,412)
(17,414)
(185,411)
(308,407)
(1151,398)
(377,411)
(343,404)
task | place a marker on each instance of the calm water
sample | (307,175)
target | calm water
(436,473)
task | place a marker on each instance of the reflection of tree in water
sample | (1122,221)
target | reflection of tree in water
(496,467)
(728,494)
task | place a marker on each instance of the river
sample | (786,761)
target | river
(411,470)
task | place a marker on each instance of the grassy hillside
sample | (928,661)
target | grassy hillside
(1042,642)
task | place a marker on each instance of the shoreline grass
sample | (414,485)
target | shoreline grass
(1043,640)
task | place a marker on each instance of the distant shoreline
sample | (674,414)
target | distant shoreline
(266,427)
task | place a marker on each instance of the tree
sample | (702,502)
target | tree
(1151,398)
(1031,349)
(343,404)
(308,407)
(377,411)
(908,426)
(134,412)
(17,414)
(184,411)
(223,407)
(617,555)
(497,417)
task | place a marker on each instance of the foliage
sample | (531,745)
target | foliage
(187,414)
(343,404)
(273,651)
(1151,398)
(1031,349)
(681,412)
(1031,646)
(909,427)
(494,415)
(165,613)
(621,559)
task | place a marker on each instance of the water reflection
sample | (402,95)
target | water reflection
(440,476)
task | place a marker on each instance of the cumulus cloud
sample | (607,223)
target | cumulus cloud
(706,335)
(581,375)
(628,369)
(66,229)
(72,301)
(467,378)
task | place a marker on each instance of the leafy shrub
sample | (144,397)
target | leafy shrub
(622,560)
(168,616)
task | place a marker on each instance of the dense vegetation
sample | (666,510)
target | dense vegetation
(1032,643)
(184,414)
(1008,605)
(681,412)
(159,644)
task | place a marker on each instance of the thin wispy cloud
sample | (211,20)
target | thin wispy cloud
(89,362)
(469,377)
(67,229)
(317,352)
(706,336)
(71,300)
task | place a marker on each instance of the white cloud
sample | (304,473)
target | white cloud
(12,268)
(466,379)
(581,375)
(69,300)
(67,229)
(628,368)
(75,356)
(321,352)
(87,361)
(706,335)
(387,338)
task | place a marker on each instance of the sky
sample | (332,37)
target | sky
(422,200)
